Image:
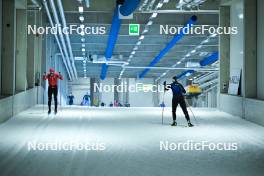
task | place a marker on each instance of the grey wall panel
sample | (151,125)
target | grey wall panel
(260,60)
(231,104)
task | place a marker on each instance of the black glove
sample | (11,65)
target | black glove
(164,83)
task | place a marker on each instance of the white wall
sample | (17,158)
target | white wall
(141,99)
(107,97)
(237,41)
(15,104)
(79,88)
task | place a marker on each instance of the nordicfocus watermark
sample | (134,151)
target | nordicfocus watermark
(198,146)
(197,30)
(134,88)
(71,29)
(65,146)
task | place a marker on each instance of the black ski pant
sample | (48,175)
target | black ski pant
(53,91)
(179,100)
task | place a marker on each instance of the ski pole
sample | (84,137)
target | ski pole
(44,87)
(60,92)
(192,112)
(163,106)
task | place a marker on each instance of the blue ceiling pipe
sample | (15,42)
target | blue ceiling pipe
(204,62)
(209,60)
(176,38)
(128,7)
(184,74)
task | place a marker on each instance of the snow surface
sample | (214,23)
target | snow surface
(132,139)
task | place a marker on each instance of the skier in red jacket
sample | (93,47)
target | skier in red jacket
(52,78)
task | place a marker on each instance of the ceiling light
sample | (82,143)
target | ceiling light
(141,37)
(213,35)
(136,48)
(138,43)
(205,41)
(83,39)
(241,16)
(81,9)
(199,46)
(188,55)
(159,5)
(133,52)
(81,18)
(193,51)
(83,45)
(83,49)
(82,26)
(145,31)
(149,23)
(154,15)
(131,56)
(82,33)
(179,62)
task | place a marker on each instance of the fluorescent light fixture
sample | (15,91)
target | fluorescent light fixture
(131,56)
(213,35)
(82,33)
(159,5)
(81,9)
(133,52)
(83,49)
(154,15)
(193,51)
(179,62)
(205,41)
(138,43)
(188,55)
(83,39)
(141,37)
(145,31)
(81,18)
(82,26)
(188,74)
(241,16)
(135,48)
(83,45)
(199,46)
(149,23)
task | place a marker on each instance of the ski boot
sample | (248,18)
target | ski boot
(174,123)
(190,124)
(55,112)
(49,112)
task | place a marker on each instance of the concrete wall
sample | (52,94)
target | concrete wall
(247,106)
(1,15)
(260,57)
(231,104)
(12,105)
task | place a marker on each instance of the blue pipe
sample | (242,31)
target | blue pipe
(176,38)
(206,61)
(184,74)
(129,7)
(126,9)
(209,60)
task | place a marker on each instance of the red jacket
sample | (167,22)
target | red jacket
(52,79)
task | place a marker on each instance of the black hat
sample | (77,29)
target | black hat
(175,78)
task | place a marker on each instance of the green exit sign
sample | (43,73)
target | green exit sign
(134,29)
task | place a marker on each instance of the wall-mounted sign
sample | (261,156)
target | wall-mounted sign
(234,82)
